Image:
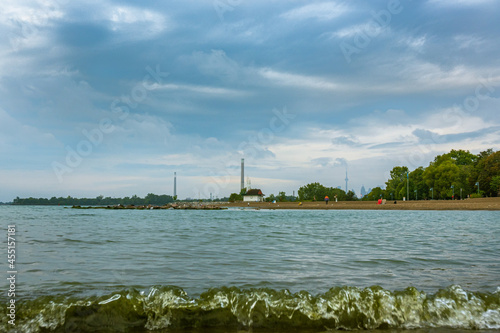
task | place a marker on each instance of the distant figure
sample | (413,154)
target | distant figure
(395,202)
(379,202)
(335,198)
(326,200)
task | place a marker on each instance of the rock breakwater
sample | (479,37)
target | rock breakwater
(180,205)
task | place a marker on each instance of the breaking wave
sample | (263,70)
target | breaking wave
(340,308)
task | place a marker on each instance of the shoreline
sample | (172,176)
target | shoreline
(491,204)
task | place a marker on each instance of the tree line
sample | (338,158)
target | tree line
(457,174)
(318,192)
(309,192)
(150,199)
(454,175)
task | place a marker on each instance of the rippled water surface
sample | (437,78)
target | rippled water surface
(216,259)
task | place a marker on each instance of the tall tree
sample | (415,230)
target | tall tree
(462,157)
(441,175)
(418,184)
(489,169)
(397,184)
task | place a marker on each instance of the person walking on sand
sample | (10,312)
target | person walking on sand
(326,199)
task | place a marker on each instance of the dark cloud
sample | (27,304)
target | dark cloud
(81,35)
(429,137)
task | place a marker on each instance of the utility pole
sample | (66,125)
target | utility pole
(175,185)
(346,180)
(242,174)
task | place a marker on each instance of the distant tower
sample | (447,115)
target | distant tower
(363,191)
(175,184)
(346,180)
(242,174)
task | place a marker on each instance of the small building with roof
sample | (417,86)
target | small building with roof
(253,195)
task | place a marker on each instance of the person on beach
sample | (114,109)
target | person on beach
(326,199)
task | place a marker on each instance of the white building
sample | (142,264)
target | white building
(254,195)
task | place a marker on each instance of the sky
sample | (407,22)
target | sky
(112,97)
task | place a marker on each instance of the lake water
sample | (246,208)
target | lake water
(302,270)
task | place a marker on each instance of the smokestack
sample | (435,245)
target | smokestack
(242,174)
(346,180)
(175,184)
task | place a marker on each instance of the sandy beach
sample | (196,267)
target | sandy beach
(468,204)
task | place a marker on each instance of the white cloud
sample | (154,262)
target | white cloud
(30,14)
(391,135)
(300,81)
(320,11)
(409,74)
(209,90)
(136,22)
(217,64)
(469,41)
(370,29)
(455,120)
(415,43)
(26,24)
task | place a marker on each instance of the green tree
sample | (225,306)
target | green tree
(235,197)
(375,194)
(397,184)
(495,184)
(282,197)
(270,198)
(417,183)
(441,175)
(313,191)
(488,169)
(462,157)
(316,191)
(351,196)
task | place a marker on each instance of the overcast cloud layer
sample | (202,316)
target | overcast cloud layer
(113,97)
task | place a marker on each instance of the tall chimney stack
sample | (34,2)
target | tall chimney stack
(242,174)
(346,180)
(175,184)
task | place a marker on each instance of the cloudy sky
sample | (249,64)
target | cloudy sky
(112,97)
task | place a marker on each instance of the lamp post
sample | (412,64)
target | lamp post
(477,184)
(460,193)
(453,195)
(416,195)
(432,193)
